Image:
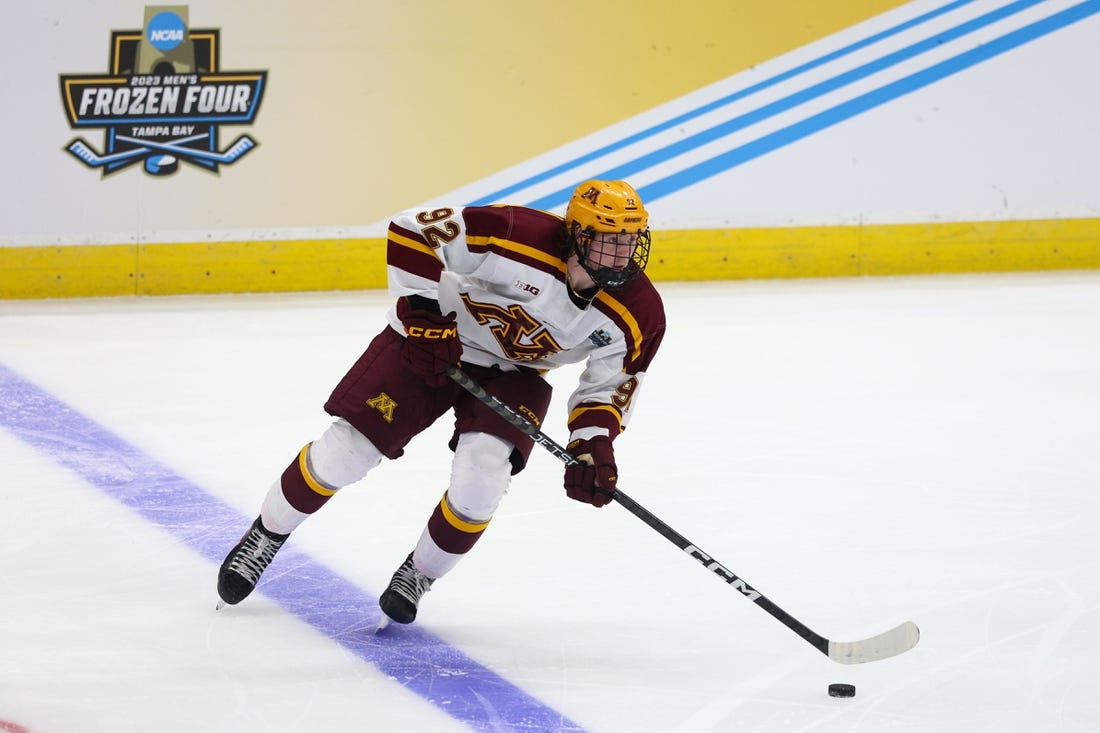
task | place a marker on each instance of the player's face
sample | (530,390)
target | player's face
(612,251)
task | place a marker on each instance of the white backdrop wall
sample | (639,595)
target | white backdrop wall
(932,112)
(369,107)
(1014,136)
(804,139)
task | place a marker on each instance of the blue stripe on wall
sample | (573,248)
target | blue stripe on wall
(424,664)
(497,196)
(789,102)
(738,156)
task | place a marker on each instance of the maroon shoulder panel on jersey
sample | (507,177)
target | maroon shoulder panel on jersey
(639,311)
(532,237)
(407,250)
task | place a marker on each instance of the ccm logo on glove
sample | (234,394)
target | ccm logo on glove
(431,341)
(431,333)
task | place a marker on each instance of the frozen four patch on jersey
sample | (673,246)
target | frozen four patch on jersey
(600,337)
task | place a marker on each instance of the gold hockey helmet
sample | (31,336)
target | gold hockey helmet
(607,206)
(598,214)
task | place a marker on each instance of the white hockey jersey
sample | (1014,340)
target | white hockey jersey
(502,271)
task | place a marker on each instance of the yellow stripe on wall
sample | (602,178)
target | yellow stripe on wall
(728,254)
(885,249)
(208,267)
(67,271)
(1055,244)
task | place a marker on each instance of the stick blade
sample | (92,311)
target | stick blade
(239,148)
(82,151)
(888,644)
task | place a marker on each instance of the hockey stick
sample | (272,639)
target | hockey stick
(82,150)
(243,144)
(900,639)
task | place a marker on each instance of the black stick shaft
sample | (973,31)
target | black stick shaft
(528,428)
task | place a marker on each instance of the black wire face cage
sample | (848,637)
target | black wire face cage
(592,245)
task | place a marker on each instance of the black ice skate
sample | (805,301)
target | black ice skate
(400,600)
(244,564)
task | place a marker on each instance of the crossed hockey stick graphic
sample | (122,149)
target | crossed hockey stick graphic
(89,156)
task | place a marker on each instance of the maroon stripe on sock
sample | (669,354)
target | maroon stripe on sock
(297,490)
(447,536)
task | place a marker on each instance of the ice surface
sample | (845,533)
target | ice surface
(863,452)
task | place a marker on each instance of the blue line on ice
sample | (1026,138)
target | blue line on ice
(421,662)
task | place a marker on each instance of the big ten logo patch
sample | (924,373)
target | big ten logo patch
(163,99)
(527,287)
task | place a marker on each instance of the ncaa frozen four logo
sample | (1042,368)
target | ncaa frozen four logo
(163,100)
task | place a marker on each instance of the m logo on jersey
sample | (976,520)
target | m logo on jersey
(163,100)
(520,336)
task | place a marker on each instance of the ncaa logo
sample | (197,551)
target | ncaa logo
(166,31)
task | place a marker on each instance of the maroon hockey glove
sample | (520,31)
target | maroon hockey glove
(593,479)
(431,344)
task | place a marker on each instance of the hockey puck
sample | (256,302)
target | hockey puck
(842,689)
(161,165)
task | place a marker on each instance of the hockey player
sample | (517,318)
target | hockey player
(510,292)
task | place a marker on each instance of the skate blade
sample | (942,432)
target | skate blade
(382,624)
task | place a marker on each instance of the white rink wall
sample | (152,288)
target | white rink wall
(869,137)
(1014,136)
